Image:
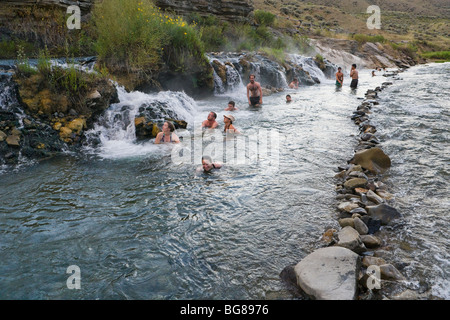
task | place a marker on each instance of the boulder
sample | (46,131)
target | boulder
(373,159)
(383,212)
(329,274)
(344,222)
(349,238)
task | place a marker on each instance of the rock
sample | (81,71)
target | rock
(360,226)
(373,159)
(328,236)
(355,183)
(349,238)
(359,191)
(57,126)
(346,222)
(329,274)
(383,212)
(77,125)
(347,206)
(372,196)
(65,132)
(2,136)
(370,261)
(93,95)
(373,224)
(13,140)
(389,272)
(359,210)
(370,241)
(384,194)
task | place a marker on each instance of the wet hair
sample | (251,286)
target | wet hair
(252,75)
(354,65)
(171,126)
(339,68)
(207,158)
(214,114)
(232,103)
(288,95)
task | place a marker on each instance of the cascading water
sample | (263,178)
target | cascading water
(115,134)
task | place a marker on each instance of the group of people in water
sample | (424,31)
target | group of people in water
(254,97)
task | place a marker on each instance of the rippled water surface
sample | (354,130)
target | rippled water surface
(140,226)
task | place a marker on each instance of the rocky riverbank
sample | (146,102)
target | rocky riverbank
(353,262)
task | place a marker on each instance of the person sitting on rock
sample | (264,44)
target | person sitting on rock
(231,106)
(210,122)
(167,134)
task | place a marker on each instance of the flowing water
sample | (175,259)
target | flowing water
(140,225)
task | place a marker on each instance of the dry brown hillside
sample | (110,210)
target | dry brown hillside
(401,20)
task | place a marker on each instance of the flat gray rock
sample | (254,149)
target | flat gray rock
(329,274)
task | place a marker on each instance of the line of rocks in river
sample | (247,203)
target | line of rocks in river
(350,264)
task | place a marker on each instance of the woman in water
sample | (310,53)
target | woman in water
(167,135)
(229,128)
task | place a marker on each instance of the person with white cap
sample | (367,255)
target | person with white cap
(228,121)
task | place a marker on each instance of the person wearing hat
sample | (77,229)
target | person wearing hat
(228,121)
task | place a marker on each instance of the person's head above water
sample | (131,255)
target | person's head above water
(288,98)
(168,127)
(208,164)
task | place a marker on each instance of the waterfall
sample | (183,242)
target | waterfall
(230,69)
(114,134)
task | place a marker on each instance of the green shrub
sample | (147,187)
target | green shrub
(136,36)
(363,38)
(264,17)
(438,55)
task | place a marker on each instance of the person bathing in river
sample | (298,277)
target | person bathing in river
(228,121)
(167,134)
(208,164)
(354,76)
(254,92)
(294,84)
(231,106)
(339,77)
(210,122)
(288,98)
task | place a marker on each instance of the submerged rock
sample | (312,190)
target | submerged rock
(329,274)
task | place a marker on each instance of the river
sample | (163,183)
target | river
(140,225)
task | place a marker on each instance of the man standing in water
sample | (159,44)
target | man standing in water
(339,77)
(254,92)
(354,76)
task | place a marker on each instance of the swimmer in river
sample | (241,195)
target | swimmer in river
(231,106)
(210,122)
(167,134)
(208,164)
(294,84)
(228,121)
(339,77)
(254,92)
(288,98)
